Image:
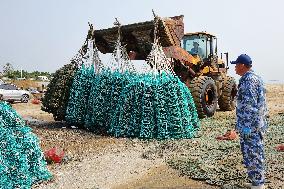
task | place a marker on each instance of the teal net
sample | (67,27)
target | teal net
(99,102)
(155,107)
(141,105)
(22,162)
(79,95)
(82,83)
(121,102)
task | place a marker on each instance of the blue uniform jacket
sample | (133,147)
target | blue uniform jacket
(251,104)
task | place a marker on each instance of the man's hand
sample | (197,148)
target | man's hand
(246,132)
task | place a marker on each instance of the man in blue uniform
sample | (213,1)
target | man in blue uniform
(251,123)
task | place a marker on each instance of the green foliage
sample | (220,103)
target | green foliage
(8,68)
(8,71)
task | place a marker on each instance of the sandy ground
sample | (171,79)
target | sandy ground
(93,161)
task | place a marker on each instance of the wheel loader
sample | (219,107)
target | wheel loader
(194,58)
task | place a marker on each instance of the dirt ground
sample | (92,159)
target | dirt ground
(93,161)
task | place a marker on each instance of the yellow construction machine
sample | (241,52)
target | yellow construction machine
(194,58)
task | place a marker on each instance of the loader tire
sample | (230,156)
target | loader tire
(204,93)
(227,100)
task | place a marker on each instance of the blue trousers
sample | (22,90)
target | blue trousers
(252,148)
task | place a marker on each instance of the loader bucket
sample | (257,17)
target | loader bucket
(139,37)
(180,54)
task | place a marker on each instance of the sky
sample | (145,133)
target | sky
(37,35)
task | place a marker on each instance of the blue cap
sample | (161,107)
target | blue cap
(243,59)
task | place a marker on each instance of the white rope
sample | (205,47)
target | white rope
(119,59)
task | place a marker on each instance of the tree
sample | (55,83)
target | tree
(8,68)
(8,71)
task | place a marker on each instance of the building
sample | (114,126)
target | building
(42,78)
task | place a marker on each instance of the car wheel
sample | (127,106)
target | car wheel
(25,98)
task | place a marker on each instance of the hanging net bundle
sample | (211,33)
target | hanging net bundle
(106,89)
(57,95)
(155,105)
(123,103)
(82,82)
(79,94)
(22,162)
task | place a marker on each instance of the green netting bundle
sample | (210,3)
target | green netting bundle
(122,103)
(57,95)
(132,105)
(104,93)
(155,106)
(119,82)
(79,95)
(22,162)
(98,102)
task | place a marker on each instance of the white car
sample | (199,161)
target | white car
(11,93)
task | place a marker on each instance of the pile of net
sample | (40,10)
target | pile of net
(22,162)
(121,102)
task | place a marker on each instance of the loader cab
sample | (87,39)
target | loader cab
(201,43)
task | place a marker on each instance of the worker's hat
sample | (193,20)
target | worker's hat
(243,59)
